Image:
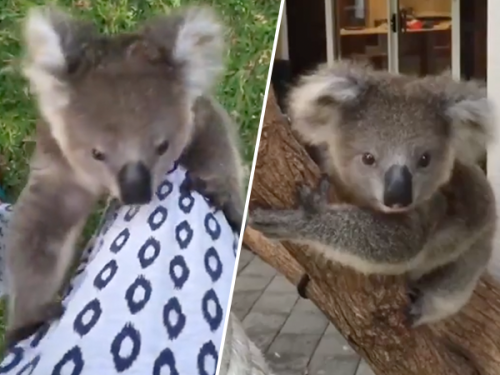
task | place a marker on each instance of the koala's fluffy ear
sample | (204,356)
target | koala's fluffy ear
(51,39)
(471,115)
(197,47)
(314,104)
(44,56)
(200,47)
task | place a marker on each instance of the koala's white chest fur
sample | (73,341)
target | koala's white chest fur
(364,266)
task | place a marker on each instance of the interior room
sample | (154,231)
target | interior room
(415,36)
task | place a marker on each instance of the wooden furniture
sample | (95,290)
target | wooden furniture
(382,29)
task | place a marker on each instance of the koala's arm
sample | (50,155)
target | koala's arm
(368,241)
(46,223)
(213,160)
(445,245)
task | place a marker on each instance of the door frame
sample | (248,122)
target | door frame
(331,31)
(282,51)
(456,45)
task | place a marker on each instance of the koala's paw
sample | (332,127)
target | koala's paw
(218,196)
(12,337)
(413,311)
(48,313)
(430,306)
(314,200)
(211,190)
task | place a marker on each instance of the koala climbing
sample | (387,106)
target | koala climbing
(402,151)
(116,113)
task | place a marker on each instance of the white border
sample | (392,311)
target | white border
(250,182)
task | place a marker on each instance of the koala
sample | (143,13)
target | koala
(241,356)
(116,113)
(402,152)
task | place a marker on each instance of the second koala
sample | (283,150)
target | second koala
(402,151)
(116,113)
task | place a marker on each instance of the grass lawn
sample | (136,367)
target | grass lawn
(252,25)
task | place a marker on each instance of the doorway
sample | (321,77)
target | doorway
(409,36)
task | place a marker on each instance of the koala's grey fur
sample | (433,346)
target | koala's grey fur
(116,113)
(241,356)
(442,240)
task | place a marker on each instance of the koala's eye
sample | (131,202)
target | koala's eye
(424,160)
(368,159)
(98,155)
(162,148)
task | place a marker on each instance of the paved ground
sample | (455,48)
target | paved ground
(295,336)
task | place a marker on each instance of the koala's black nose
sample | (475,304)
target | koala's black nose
(398,190)
(134,181)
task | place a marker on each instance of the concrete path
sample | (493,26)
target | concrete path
(294,335)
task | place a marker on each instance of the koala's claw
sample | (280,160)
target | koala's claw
(413,311)
(303,194)
(314,200)
(51,312)
(302,285)
(193,183)
(324,186)
(413,294)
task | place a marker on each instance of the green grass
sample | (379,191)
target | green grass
(251,28)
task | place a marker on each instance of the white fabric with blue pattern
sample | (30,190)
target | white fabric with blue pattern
(150,296)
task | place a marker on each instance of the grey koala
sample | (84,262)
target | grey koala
(116,113)
(401,150)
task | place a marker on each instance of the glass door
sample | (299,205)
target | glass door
(426,36)
(361,29)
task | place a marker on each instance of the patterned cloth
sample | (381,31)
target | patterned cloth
(150,296)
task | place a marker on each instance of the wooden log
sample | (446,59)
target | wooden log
(367,311)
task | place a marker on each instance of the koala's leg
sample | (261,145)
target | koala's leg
(40,247)
(368,241)
(444,291)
